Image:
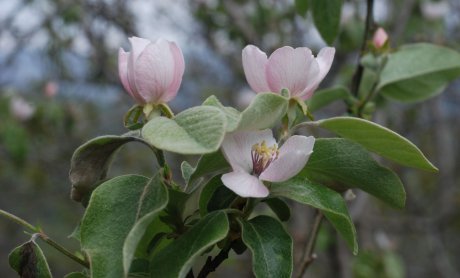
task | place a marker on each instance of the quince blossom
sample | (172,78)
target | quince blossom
(254,157)
(152,72)
(287,68)
(380,38)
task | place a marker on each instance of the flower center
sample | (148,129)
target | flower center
(262,157)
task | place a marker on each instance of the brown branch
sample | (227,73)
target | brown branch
(212,264)
(308,255)
(367,32)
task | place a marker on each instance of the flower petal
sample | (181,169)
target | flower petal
(123,74)
(237,147)
(254,63)
(179,67)
(292,158)
(245,184)
(324,59)
(291,69)
(154,71)
(137,46)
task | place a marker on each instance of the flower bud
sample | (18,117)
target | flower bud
(380,38)
(152,72)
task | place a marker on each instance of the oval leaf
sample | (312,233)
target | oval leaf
(208,165)
(418,71)
(28,261)
(279,207)
(380,140)
(233,116)
(326,15)
(265,110)
(270,244)
(175,259)
(327,200)
(112,211)
(325,97)
(91,161)
(341,161)
(197,130)
(154,198)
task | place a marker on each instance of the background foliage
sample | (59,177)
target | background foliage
(73,44)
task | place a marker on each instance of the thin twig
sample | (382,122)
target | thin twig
(61,249)
(308,255)
(19,220)
(43,236)
(360,69)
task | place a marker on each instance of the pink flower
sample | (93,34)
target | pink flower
(152,71)
(21,109)
(255,157)
(380,38)
(287,68)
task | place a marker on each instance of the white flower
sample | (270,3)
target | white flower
(255,157)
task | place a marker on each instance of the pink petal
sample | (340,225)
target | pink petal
(123,74)
(290,69)
(244,184)
(292,158)
(137,46)
(237,147)
(154,71)
(179,67)
(324,59)
(254,63)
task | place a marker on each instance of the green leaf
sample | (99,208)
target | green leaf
(326,15)
(91,161)
(418,71)
(325,97)
(233,116)
(186,170)
(197,130)
(215,196)
(270,244)
(301,7)
(321,197)
(378,139)
(265,111)
(208,165)
(76,275)
(153,199)
(344,162)
(112,211)
(279,207)
(176,259)
(28,261)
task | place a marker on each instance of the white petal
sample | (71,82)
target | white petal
(179,67)
(154,71)
(292,158)
(324,59)
(254,62)
(237,147)
(291,69)
(244,184)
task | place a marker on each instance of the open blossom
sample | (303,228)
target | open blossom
(380,38)
(255,157)
(287,68)
(21,109)
(152,71)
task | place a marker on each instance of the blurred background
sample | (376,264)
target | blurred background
(59,87)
